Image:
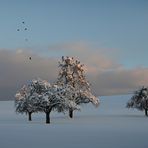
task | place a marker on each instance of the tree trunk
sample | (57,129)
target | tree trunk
(70,113)
(47,117)
(146,112)
(29,116)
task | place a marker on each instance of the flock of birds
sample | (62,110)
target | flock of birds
(24,29)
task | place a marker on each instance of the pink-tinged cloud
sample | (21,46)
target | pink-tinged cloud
(107,76)
(94,58)
(119,81)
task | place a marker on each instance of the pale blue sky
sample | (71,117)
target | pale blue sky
(111,24)
(109,36)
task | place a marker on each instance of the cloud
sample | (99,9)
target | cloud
(119,81)
(107,76)
(94,58)
(16,70)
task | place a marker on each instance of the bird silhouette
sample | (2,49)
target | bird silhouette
(30,58)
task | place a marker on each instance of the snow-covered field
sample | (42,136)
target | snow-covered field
(109,126)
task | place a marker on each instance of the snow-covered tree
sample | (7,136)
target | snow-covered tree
(57,99)
(24,101)
(139,100)
(41,96)
(72,72)
(27,100)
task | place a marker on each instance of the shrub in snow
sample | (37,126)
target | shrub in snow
(139,100)
(72,72)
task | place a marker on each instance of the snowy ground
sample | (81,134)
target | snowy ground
(109,126)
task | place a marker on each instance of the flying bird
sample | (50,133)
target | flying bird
(25,29)
(26,40)
(30,58)
(18,29)
(23,22)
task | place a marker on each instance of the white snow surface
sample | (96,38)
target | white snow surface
(111,125)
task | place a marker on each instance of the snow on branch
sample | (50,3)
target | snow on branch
(72,72)
(39,95)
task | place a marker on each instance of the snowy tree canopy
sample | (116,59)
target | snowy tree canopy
(28,98)
(139,100)
(57,98)
(72,72)
(41,96)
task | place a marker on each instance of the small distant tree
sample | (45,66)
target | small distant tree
(72,72)
(139,100)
